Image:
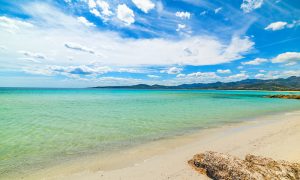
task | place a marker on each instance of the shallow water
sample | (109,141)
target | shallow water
(42,126)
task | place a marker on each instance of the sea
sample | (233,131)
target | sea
(40,126)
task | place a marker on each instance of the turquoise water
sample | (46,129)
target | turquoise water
(41,126)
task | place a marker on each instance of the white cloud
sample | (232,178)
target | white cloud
(199,77)
(28,59)
(250,5)
(240,67)
(209,77)
(159,7)
(259,76)
(69,71)
(184,31)
(233,50)
(203,13)
(180,75)
(172,70)
(202,51)
(104,7)
(125,14)
(276,26)
(293,24)
(153,76)
(95,12)
(217,10)
(132,70)
(291,63)
(237,77)
(13,25)
(278,74)
(256,61)
(291,58)
(84,21)
(100,8)
(78,47)
(144,5)
(50,32)
(224,71)
(289,73)
(38,71)
(33,55)
(202,74)
(180,27)
(92,4)
(237,46)
(118,81)
(68,1)
(183,15)
(198,50)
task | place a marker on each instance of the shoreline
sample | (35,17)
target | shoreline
(239,138)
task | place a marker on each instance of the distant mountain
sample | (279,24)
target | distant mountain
(289,84)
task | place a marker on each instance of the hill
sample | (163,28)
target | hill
(289,84)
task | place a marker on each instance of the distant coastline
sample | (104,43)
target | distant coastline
(289,84)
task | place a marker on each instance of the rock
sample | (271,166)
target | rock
(222,166)
(282,96)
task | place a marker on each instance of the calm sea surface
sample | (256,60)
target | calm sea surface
(41,126)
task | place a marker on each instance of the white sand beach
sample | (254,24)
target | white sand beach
(276,136)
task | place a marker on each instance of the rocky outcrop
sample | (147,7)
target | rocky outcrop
(282,96)
(222,166)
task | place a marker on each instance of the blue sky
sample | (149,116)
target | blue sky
(82,43)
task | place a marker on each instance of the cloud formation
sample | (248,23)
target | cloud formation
(153,76)
(13,25)
(249,5)
(144,5)
(84,21)
(291,58)
(217,10)
(277,74)
(33,55)
(203,13)
(256,61)
(236,77)
(78,47)
(210,77)
(172,70)
(146,37)
(183,15)
(69,71)
(180,27)
(197,50)
(276,26)
(100,8)
(224,71)
(105,8)
(125,14)
(198,77)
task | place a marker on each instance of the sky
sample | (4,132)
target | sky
(85,43)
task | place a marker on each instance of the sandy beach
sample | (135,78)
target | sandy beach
(276,136)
